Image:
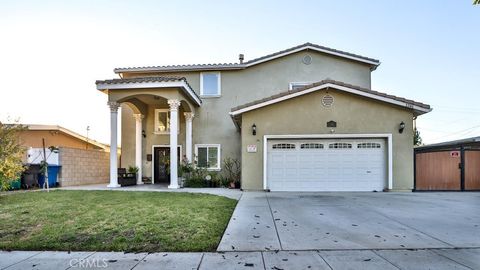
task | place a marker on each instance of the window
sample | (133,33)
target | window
(210,84)
(208,156)
(162,121)
(340,145)
(283,146)
(368,145)
(311,146)
(297,85)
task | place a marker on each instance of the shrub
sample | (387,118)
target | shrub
(196,178)
(232,170)
(11,152)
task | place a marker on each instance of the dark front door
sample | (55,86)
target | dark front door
(161,171)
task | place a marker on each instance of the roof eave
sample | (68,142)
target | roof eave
(164,70)
(418,110)
(373,63)
(131,85)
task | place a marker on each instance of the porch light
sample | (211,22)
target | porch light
(254,129)
(144,134)
(401,127)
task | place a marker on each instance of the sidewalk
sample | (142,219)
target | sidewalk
(341,259)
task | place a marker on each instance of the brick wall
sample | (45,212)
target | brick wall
(83,167)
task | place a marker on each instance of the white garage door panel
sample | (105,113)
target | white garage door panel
(313,168)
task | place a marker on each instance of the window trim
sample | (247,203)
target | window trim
(290,85)
(219,78)
(218,146)
(155,120)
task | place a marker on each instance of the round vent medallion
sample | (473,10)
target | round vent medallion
(327,100)
(307,59)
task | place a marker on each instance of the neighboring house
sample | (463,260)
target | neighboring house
(57,136)
(82,160)
(452,165)
(302,119)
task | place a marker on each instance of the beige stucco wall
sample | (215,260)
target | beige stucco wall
(151,139)
(307,115)
(212,123)
(83,167)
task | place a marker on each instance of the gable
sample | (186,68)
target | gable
(307,115)
(419,107)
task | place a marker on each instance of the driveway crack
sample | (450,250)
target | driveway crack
(448,258)
(413,228)
(378,254)
(274,223)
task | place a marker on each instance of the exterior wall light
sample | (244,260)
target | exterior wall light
(144,134)
(254,129)
(401,127)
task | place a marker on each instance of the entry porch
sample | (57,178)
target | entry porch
(158,106)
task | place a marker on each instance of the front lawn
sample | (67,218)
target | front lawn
(113,221)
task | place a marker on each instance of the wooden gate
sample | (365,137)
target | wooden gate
(447,170)
(472,169)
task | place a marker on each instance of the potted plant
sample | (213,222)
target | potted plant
(133,170)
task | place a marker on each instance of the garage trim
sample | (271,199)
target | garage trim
(388,136)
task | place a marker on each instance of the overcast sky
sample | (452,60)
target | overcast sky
(51,52)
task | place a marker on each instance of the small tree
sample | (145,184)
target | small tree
(232,170)
(417,139)
(11,153)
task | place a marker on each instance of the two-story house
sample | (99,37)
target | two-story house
(302,119)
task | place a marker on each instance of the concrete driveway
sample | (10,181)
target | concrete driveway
(344,221)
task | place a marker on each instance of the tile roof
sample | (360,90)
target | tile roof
(141,80)
(338,83)
(233,66)
(315,46)
(147,79)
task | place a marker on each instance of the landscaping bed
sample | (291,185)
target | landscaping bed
(113,221)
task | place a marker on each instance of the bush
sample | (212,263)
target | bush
(200,177)
(195,183)
(196,178)
(232,170)
(11,153)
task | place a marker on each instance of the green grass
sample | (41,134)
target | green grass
(113,221)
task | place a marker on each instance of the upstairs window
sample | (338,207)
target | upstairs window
(210,84)
(297,85)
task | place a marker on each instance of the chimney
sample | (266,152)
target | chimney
(240,57)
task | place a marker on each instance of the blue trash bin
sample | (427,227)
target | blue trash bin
(52,176)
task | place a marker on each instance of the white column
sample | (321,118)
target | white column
(113,144)
(174,104)
(188,140)
(138,146)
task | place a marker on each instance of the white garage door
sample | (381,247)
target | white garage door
(326,165)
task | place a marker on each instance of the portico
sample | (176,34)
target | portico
(158,105)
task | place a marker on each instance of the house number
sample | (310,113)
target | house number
(252,148)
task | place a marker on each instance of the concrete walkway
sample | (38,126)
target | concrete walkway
(229,193)
(265,221)
(346,259)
